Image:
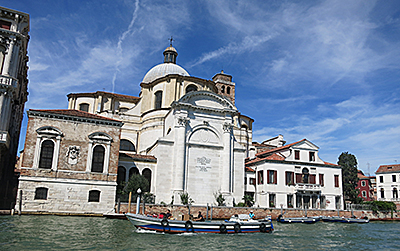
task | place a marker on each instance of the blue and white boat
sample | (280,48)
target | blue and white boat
(307,220)
(237,224)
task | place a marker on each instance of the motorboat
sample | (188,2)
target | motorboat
(307,220)
(236,224)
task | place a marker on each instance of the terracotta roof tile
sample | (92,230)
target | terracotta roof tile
(388,168)
(248,169)
(274,156)
(75,113)
(135,156)
(279,148)
(331,164)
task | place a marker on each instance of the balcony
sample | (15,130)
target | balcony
(7,81)
(4,139)
(307,187)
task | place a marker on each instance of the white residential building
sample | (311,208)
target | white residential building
(293,176)
(388,182)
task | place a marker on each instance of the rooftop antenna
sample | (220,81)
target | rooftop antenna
(170,40)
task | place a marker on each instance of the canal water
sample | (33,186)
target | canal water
(96,233)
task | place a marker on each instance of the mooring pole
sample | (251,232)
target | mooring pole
(20,202)
(211,212)
(118,205)
(129,202)
(207,212)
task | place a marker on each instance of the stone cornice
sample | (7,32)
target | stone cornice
(97,121)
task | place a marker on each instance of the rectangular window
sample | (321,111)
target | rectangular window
(289,178)
(41,193)
(5,25)
(271,200)
(312,179)
(252,181)
(393,178)
(321,179)
(272,179)
(381,179)
(336,180)
(298,178)
(260,177)
(289,201)
(311,156)
(296,154)
(94,196)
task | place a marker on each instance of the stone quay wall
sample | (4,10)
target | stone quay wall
(223,213)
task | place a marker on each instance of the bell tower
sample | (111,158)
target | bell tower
(225,85)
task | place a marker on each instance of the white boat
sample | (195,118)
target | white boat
(236,224)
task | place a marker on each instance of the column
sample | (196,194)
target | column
(180,172)
(227,172)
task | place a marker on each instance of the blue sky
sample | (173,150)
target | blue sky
(327,71)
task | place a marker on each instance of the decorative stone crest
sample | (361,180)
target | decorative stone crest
(73,154)
(203,164)
(227,127)
(183,121)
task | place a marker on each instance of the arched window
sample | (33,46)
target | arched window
(305,175)
(121,176)
(158,100)
(133,170)
(147,174)
(84,107)
(222,89)
(395,194)
(191,88)
(228,90)
(46,154)
(126,145)
(98,159)
(41,193)
(94,196)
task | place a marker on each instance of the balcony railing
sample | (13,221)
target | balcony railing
(308,187)
(8,81)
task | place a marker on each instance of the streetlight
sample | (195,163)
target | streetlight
(138,200)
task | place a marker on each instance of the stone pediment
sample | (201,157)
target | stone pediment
(205,99)
(307,145)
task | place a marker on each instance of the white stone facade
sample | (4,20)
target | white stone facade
(185,130)
(293,176)
(388,183)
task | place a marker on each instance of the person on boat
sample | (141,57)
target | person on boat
(251,215)
(199,217)
(168,215)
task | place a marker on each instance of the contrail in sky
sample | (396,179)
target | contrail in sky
(121,39)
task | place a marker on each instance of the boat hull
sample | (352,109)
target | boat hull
(306,220)
(176,226)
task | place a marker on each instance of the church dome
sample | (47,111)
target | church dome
(162,70)
(168,67)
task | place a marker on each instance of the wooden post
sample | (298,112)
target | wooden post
(119,205)
(20,202)
(129,203)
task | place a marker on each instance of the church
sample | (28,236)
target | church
(183,133)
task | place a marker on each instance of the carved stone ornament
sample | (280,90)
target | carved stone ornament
(183,121)
(227,127)
(73,154)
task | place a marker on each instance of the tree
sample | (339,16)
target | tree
(348,162)
(185,199)
(219,198)
(248,200)
(135,182)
